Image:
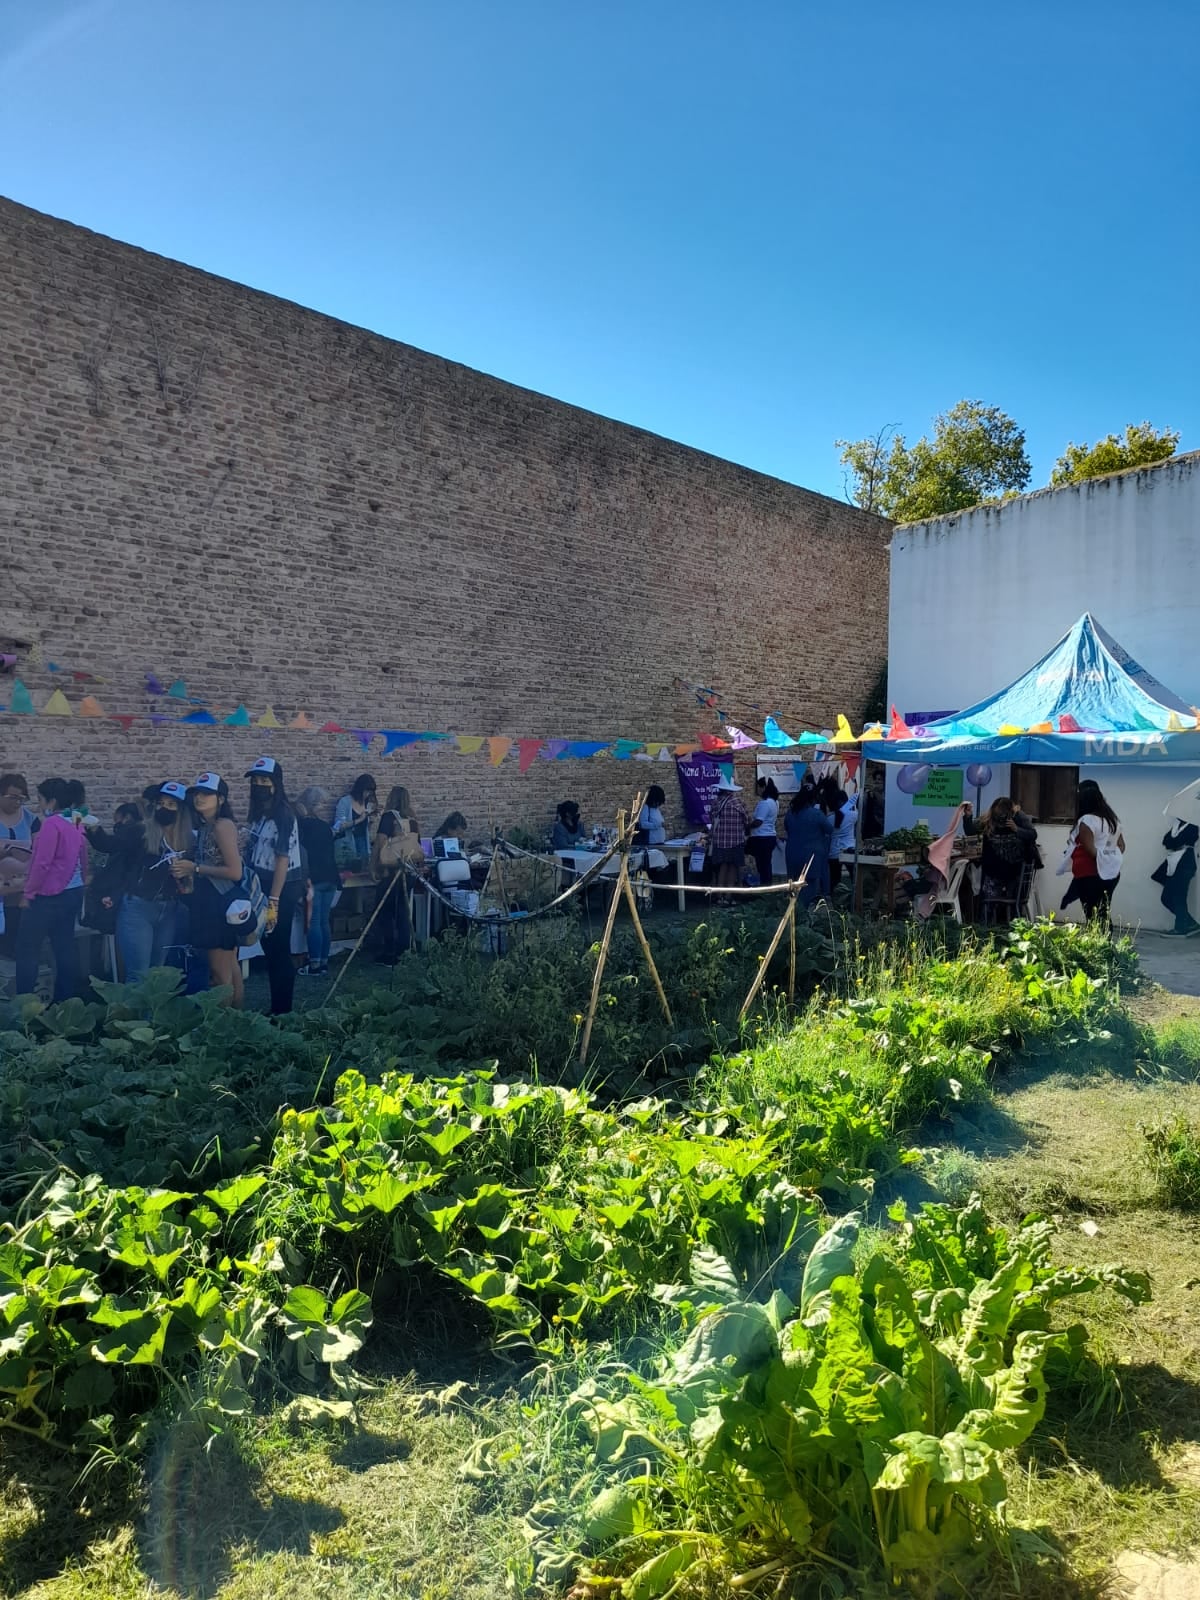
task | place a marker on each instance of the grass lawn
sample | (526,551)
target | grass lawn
(330,1513)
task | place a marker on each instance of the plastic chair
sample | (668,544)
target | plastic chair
(1017,903)
(947,898)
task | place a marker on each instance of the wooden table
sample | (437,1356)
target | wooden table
(891,873)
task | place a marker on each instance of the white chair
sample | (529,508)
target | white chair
(947,899)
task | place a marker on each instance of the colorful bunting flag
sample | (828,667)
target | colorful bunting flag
(364,736)
(1042,727)
(125,720)
(1067,724)
(331,727)
(740,740)
(153,686)
(583,749)
(709,741)
(238,719)
(268,719)
(302,722)
(178,690)
(89,706)
(469,743)
(774,737)
(898,728)
(1009,730)
(397,739)
(498,748)
(624,748)
(156,719)
(553,749)
(20,701)
(199,718)
(57,706)
(845,733)
(528,749)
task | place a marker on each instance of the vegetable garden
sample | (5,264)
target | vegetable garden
(725,1331)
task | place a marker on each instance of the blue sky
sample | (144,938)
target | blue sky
(754,228)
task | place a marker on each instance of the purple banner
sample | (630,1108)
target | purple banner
(698,778)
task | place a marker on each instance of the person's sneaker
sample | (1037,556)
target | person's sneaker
(308,971)
(1190,933)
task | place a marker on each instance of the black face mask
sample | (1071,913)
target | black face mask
(165,818)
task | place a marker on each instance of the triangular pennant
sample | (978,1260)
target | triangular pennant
(528,752)
(774,737)
(808,738)
(1009,730)
(331,727)
(624,748)
(469,743)
(741,741)
(302,722)
(268,719)
(852,764)
(1175,723)
(57,706)
(89,706)
(898,728)
(157,718)
(153,686)
(845,733)
(364,736)
(584,749)
(20,701)
(432,738)
(799,770)
(684,749)
(84,677)
(709,741)
(36,658)
(665,754)
(552,749)
(498,748)
(1041,727)
(237,719)
(53,666)
(124,719)
(199,718)
(1067,724)
(178,690)
(871,731)
(397,739)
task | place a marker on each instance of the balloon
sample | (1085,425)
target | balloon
(979,775)
(913,778)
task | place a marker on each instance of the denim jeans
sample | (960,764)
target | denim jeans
(53,917)
(145,931)
(318,926)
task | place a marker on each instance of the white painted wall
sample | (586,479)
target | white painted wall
(976,599)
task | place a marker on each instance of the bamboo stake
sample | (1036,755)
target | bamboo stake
(766,960)
(623,835)
(792,951)
(399,873)
(645,944)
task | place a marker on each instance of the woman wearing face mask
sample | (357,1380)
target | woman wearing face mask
(148,913)
(53,896)
(273,851)
(18,824)
(209,881)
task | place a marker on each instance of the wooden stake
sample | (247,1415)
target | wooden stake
(766,960)
(645,944)
(379,904)
(623,834)
(792,951)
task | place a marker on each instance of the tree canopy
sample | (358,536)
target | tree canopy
(1141,446)
(977,453)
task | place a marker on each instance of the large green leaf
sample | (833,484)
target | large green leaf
(832,1257)
(1016,1396)
(989,1312)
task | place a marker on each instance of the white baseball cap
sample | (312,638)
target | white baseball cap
(728,785)
(208,780)
(177,791)
(265,764)
(239,913)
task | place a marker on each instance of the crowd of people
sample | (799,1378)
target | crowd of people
(170,878)
(818,825)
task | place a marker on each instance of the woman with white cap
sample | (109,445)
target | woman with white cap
(728,826)
(210,880)
(273,852)
(148,920)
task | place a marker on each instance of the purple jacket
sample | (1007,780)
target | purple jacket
(59,847)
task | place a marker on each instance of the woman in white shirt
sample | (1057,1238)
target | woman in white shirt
(652,825)
(1094,853)
(762,840)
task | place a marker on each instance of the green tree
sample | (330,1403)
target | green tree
(1141,447)
(977,453)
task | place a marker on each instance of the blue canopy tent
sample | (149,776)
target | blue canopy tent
(1086,703)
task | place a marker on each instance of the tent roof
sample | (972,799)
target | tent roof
(1087,679)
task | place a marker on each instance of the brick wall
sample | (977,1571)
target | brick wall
(209,483)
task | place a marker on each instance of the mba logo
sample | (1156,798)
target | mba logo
(1125,744)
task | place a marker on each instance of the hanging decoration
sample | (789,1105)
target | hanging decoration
(57,706)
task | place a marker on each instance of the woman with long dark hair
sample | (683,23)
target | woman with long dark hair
(273,852)
(762,841)
(354,819)
(809,828)
(397,842)
(207,880)
(1094,853)
(53,891)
